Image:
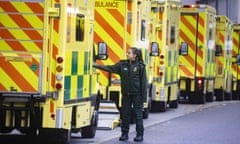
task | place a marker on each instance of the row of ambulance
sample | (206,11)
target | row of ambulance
(50,89)
(191,53)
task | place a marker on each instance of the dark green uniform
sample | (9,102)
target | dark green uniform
(134,91)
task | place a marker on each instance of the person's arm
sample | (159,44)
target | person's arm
(102,67)
(144,83)
(110,68)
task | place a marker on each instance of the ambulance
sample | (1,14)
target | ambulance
(236,62)
(48,87)
(120,24)
(164,32)
(223,78)
(197,53)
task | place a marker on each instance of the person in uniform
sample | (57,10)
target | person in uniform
(134,90)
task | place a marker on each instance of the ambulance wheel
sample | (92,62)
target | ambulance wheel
(29,131)
(227,96)
(54,136)
(219,94)
(202,99)
(209,96)
(90,131)
(234,95)
(157,106)
(5,130)
(173,104)
(163,106)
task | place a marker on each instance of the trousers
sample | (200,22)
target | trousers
(132,102)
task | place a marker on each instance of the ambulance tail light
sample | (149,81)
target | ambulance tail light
(53,116)
(161,56)
(59,68)
(58,86)
(199,84)
(199,81)
(161,59)
(59,60)
(161,74)
(59,75)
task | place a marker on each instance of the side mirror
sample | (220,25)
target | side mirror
(183,49)
(154,49)
(102,51)
(218,51)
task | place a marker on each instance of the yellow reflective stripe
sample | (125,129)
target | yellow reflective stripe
(7,80)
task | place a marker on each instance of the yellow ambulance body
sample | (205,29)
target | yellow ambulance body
(164,31)
(223,78)
(120,24)
(48,86)
(196,60)
(236,62)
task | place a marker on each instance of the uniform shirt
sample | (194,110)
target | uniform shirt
(133,77)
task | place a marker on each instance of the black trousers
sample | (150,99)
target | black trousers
(130,102)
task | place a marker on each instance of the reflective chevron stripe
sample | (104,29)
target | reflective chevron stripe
(188,31)
(22,47)
(236,50)
(111,25)
(21,43)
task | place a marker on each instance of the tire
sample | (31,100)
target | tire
(5,130)
(158,106)
(219,94)
(54,136)
(227,96)
(90,131)
(209,96)
(202,99)
(173,104)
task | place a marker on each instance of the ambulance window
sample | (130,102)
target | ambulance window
(143,30)
(80,27)
(218,51)
(209,55)
(210,34)
(172,35)
(184,49)
(228,45)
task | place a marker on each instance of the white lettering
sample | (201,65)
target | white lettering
(107,4)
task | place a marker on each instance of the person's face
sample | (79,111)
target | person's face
(130,55)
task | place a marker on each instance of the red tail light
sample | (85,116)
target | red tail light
(161,56)
(199,81)
(58,86)
(59,59)
(161,73)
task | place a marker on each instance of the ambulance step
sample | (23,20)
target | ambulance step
(109,116)
(108,121)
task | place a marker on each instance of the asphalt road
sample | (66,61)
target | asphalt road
(214,125)
(210,123)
